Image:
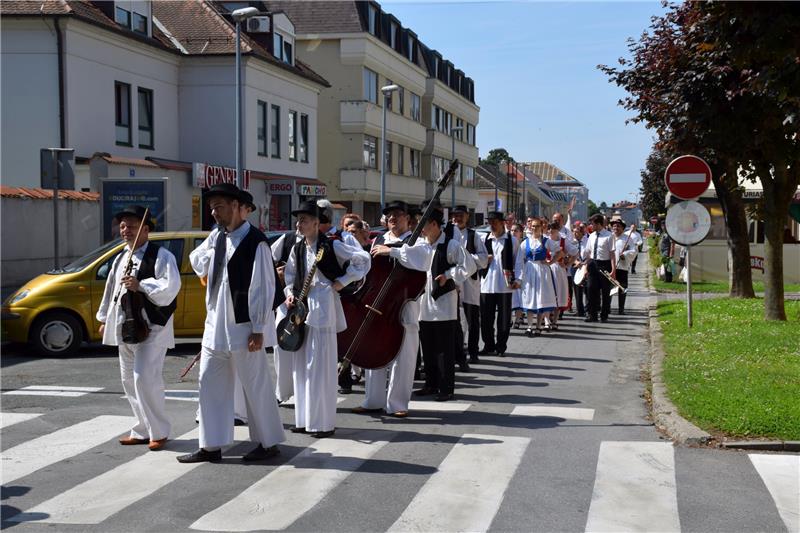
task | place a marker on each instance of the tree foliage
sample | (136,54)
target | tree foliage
(497,156)
(592,208)
(653,189)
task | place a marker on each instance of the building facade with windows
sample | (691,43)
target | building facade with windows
(567,185)
(359,49)
(148,87)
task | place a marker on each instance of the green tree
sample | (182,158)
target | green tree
(653,189)
(497,156)
(592,207)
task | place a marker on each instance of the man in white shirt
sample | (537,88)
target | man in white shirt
(637,239)
(237,262)
(499,279)
(599,253)
(155,277)
(625,252)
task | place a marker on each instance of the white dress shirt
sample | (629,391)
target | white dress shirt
(471,289)
(624,253)
(221,330)
(420,257)
(495,280)
(605,246)
(160,290)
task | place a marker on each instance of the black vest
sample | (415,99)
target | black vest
(147,269)
(240,271)
(471,247)
(289,239)
(441,265)
(506,256)
(328,265)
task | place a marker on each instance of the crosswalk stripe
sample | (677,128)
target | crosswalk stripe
(634,488)
(781,475)
(62,444)
(9,419)
(52,390)
(567,413)
(455,407)
(285,494)
(468,488)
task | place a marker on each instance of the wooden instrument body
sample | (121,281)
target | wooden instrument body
(380,342)
(134,327)
(292,327)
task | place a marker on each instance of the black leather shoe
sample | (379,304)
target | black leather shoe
(323,434)
(424,392)
(621,312)
(239,422)
(474,359)
(295,429)
(463,367)
(486,351)
(604,319)
(501,354)
(259,453)
(445,397)
(590,319)
(201,456)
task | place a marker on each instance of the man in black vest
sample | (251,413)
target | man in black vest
(237,262)
(498,281)
(155,274)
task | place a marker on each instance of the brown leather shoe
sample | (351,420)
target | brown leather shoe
(360,409)
(130,441)
(399,414)
(156,445)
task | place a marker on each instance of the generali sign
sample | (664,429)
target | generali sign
(205,176)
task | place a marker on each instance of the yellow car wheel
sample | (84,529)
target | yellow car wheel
(56,333)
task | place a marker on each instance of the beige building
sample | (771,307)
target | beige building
(358,49)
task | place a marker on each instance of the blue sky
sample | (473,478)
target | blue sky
(536,82)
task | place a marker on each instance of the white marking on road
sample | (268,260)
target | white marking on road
(9,419)
(29,457)
(285,494)
(634,488)
(687,178)
(53,390)
(455,407)
(468,488)
(568,413)
(290,401)
(781,475)
(182,395)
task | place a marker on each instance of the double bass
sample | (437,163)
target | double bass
(374,334)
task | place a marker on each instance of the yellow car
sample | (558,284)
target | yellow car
(55,311)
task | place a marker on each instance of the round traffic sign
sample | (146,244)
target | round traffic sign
(687,177)
(688,222)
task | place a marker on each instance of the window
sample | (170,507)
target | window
(469,176)
(436,119)
(411,48)
(262,128)
(372,15)
(277,45)
(145,118)
(275,134)
(448,122)
(415,108)
(401,97)
(439,167)
(415,160)
(470,134)
(370,86)
(122,17)
(139,23)
(370,151)
(122,103)
(293,135)
(459,133)
(287,52)
(401,156)
(304,138)
(389,98)
(388,157)
(393,36)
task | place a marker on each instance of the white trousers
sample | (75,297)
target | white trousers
(141,367)
(284,378)
(239,406)
(315,380)
(217,370)
(401,377)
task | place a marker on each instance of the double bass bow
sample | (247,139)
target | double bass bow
(374,336)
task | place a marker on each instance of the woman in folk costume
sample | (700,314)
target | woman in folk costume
(538,291)
(315,376)
(516,300)
(557,257)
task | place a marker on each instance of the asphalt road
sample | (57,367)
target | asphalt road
(553,437)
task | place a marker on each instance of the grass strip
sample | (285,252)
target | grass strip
(734,372)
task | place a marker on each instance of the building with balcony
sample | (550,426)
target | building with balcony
(566,185)
(359,48)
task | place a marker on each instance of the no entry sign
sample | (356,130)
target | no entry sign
(687,177)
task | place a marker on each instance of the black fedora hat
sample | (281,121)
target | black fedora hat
(307,208)
(247,198)
(396,205)
(460,209)
(227,190)
(496,215)
(137,212)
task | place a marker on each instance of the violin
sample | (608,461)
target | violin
(135,328)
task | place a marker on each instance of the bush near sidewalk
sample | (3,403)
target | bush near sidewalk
(733,372)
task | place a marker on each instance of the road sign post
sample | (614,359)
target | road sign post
(688,222)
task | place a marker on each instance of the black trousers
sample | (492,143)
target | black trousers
(473,314)
(578,293)
(633,265)
(436,340)
(495,306)
(622,278)
(599,289)
(458,338)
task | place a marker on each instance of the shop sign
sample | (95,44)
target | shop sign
(205,176)
(756,263)
(119,194)
(280,187)
(312,190)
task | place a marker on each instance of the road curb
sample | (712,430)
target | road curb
(665,414)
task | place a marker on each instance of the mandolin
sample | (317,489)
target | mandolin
(292,328)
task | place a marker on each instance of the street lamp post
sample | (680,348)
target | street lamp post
(387,90)
(453,131)
(238,16)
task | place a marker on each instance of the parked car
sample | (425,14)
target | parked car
(55,312)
